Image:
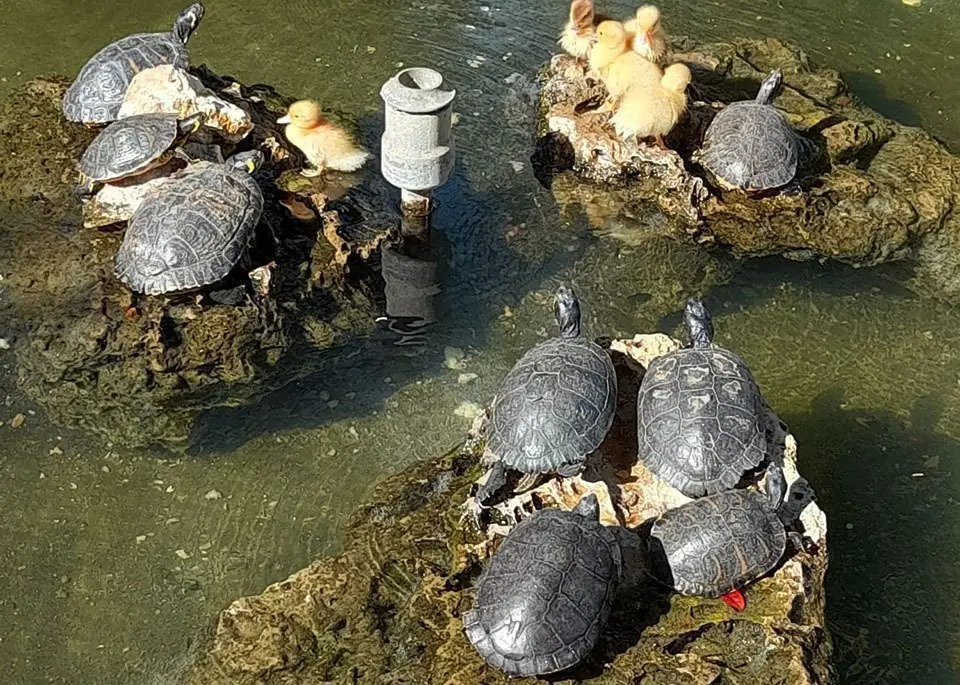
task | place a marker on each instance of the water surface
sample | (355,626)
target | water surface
(115,559)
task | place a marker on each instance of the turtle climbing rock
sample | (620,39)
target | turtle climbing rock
(132,146)
(554,407)
(700,415)
(193,230)
(715,545)
(750,145)
(97,93)
(547,592)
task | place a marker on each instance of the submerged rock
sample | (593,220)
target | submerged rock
(139,370)
(875,191)
(389,608)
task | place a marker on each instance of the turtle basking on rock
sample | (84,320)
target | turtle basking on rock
(554,408)
(700,415)
(194,229)
(132,146)
(547,592)
(715,545)
(751,146)
(97,93)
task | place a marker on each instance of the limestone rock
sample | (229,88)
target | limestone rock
(167,89)
(117,201)
(872,194)
(388,609)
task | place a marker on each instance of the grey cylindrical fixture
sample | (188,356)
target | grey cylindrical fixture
(417,148)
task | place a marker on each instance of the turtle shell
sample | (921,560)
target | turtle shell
(719,543)
(98,91)
(191,232)
(554,407)
(700,420)
(546,594)
(751,146)
(129,146)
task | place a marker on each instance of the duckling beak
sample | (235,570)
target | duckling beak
(285,119)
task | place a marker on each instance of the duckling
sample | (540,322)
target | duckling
(324,144)
(617,66)
(647,37)
(653,110)
(578,34)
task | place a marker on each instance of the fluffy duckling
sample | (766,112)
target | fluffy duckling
(646,33)
(324,144)
(577,36)
(653,110)
(617,66)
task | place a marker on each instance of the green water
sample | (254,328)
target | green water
(115,560)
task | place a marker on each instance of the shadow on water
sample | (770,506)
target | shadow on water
(873,93)
(886,486)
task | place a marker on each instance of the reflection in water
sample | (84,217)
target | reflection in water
(411,284)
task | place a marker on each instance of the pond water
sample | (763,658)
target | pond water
(115,560)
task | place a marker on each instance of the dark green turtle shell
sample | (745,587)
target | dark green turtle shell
(129,146)
(191,232)
(719,543)
(546,594)
(700,420)
(555,406)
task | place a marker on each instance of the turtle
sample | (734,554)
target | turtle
(192,231)
(97,93)
(132,146)
(546,594)
(701,420)
(715,545)
(750,145)
(554,407)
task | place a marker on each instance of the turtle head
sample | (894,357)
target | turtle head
(770,88)
(191,124)
(248,161)
(698,323)
(567,311)
(187,22)
(588,507)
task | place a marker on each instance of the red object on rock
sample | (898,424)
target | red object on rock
(735,599)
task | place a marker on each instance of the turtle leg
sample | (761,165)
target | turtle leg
(571,470)
(792,188)
(496,479)
(527,482)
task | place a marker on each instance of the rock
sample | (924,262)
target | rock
(116,202)
(167,89)
(141,370)
(17,421)
(877,191)
(388,609)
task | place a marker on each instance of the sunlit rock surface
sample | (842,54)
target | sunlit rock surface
(874,193)
(388,609)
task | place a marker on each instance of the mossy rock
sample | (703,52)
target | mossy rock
(139,370)
(388,609)
(874,193)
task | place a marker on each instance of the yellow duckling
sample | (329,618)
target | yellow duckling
(616,65)
(578,33)
(651,111)
(324,144)
(646,34)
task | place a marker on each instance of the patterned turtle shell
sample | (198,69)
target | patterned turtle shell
(97,93)
(750,145)
(547,592)
(194,229)
(700,415)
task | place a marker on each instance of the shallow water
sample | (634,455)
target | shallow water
(115,559)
